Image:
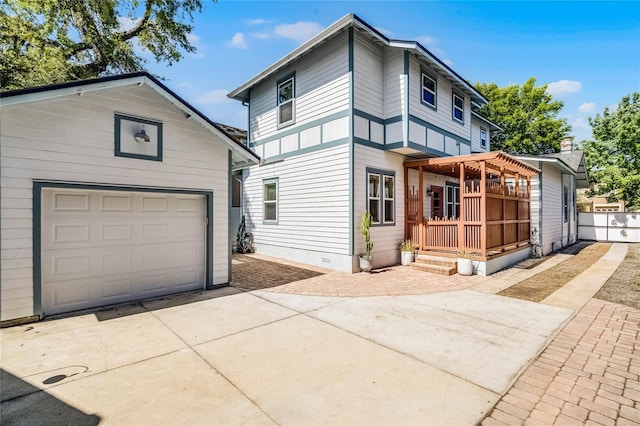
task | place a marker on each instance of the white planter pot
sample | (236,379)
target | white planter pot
(465,266)
(366,263)
(406,257)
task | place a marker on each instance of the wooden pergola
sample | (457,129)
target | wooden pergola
(494,213)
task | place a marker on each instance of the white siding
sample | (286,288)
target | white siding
(368,76)
(72,139)
(476,125)
(393,82)
(313,206)
(386,238)
(321,88)
(552,224)
(442,117)
(569,226)
(535,205)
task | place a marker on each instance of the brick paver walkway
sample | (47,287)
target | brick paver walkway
(589,374)
(254,272)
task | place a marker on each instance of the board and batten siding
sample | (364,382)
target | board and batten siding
(71,139)
(313,208)
(321,89)
(441,117)
(369,76)
(386,238)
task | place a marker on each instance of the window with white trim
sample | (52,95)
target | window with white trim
(286,101)
(458,108)
(381,196)
(453,201)
(270,201)
(565,203)
(483,138)
(429,86)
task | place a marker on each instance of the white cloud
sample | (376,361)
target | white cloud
(385,31)
(564,87)
(587,107)
(126,23)
(432,44)
(238,41)
(185,84)
(218,96)
(426,41)
(193,38)
(256,21)
(259,36)
(580,123)
(300,31)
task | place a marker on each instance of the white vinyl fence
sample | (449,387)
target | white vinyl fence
(609,226)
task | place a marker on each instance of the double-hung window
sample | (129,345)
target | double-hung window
(286,101)
(381,196)
(429,90)
(453,201)
(270,201)
(483,138)
(458,108)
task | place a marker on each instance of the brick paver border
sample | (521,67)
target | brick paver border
(589,374)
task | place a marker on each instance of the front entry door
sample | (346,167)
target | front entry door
(436,202)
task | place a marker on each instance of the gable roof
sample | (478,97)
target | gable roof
(241,155)
(351,20)
(570,161)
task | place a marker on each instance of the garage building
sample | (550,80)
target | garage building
(112,189)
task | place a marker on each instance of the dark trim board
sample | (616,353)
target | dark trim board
(39,185)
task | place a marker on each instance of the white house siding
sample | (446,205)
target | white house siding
(393,83)
(313,208)
(429,179)
(569,226)
(476,125)
(442,117)
(72,139)
(552,224)
(368,76)
(321,89)
(386,238)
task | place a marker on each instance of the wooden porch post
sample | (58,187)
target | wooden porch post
(461,215)
(420,213)
(406,202)
(483,208)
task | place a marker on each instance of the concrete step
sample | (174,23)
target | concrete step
(435,269)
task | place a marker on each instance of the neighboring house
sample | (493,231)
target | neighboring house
(554,208)
(113,189)
(353,121)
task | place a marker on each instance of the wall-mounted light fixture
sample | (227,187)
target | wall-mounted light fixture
(142,136)
(430,192)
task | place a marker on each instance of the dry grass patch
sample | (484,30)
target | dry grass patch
(624,285)
(543,284)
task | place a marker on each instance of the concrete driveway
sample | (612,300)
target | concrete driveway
(233,357)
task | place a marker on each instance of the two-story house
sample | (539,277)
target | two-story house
(352,121)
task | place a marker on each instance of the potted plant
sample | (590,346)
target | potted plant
(366,259)
(406,252)
(465,265)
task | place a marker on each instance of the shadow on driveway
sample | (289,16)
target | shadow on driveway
(249,273)
(25,404)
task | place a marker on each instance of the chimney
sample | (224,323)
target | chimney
(566,144)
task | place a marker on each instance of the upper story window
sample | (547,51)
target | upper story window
(429,86)
(458,108)
(381,196)
(483,138)
(286,101)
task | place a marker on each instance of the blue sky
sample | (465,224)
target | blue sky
(588,52)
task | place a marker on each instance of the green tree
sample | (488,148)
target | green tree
(528,116)
(51,41)
(613,157)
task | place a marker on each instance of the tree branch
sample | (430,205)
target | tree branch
(141,25)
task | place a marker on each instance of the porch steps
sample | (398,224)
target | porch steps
(436,265)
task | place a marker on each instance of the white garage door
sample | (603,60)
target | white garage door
(103,247)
